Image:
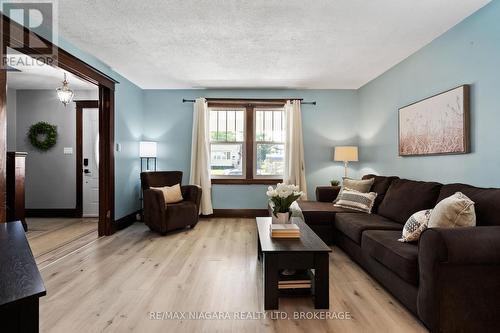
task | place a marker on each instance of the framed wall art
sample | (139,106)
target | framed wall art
(436,125)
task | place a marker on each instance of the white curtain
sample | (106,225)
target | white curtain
(294,148)
(200,160)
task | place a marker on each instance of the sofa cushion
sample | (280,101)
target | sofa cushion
(406,197)
(320,213)
(400,258)
(486,201)
(380,186)
(353,225)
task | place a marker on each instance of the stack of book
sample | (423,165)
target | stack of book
(300,280)
(287,230)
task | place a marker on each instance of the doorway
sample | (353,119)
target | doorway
(15,35)
(55,225)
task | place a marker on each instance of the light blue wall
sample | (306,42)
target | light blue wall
(331,122)
(467,54)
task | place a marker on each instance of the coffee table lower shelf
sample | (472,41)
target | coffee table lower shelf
(308,252)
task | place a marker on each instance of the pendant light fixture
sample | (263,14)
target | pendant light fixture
(65,94)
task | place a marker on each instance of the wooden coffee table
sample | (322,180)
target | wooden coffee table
(308,252)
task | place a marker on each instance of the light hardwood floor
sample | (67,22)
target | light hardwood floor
(113,283)
(52,238)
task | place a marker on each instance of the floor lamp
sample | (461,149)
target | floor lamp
(346,154)
(148,153)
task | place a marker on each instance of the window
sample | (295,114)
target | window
(269,143)
(227,137)
(246,143)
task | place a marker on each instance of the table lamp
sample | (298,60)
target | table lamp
(345,154)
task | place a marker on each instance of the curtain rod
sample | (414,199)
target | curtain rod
(251,100)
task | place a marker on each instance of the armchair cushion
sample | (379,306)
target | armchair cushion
(160,178)
(178,214)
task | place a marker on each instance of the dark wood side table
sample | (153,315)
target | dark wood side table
(327,193)
(15,176)
(308,252)
(20,282)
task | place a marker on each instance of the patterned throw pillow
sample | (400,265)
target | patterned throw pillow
(360,185)
(415,225)
(356,200)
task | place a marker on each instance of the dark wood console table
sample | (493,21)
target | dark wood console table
(20,282)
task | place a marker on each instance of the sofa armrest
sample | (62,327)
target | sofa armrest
(192,193)
(154,207)
(459,286)
(327,193)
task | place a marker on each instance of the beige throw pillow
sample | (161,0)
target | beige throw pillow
(360,185)
(415,225)
(172,194)
(356,200)
(454,211)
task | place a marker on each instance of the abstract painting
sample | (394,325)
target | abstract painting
(436,125)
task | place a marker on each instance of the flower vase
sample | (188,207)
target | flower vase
(282,218)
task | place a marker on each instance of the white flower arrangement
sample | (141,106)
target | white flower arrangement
(282,197)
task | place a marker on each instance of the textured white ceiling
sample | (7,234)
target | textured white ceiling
(259,43)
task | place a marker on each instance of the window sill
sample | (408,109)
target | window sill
(262,181)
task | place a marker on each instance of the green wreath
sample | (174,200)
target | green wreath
(47,131)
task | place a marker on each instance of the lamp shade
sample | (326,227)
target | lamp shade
(147,149)
(346,153)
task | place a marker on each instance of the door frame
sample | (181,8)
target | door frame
(14,35)
(80,105)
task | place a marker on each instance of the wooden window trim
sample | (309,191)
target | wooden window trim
(249,178)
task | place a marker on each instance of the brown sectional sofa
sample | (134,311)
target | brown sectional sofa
(450,279)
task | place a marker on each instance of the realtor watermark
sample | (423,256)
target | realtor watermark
(249,315)
(29,50)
